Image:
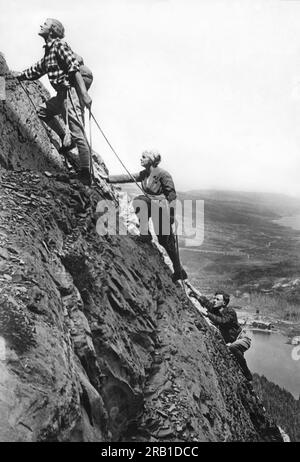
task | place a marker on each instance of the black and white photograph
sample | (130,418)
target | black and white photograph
(149,224)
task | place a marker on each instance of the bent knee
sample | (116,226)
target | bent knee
(42,113)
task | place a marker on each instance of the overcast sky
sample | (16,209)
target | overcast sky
(214,85)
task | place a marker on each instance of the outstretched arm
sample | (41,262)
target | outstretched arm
(202,300)
(126,178)
(34,72)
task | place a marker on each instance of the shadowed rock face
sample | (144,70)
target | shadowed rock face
(23,138)
(96,342)
(3,66)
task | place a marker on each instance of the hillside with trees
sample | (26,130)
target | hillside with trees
(280,405)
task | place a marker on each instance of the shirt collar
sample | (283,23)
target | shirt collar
(49,44)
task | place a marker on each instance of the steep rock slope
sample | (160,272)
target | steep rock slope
(23,140)
(96,342)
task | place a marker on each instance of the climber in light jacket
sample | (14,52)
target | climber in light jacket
(159,197)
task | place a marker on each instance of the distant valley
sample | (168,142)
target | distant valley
(246,252)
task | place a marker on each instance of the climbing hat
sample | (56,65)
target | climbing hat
(57,28)
(154,156)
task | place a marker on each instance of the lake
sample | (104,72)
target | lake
(292,222)
(270,356)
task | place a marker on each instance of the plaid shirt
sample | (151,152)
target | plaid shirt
(58,62)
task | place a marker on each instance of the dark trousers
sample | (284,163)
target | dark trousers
(162,219)
(56,106)
(238,349)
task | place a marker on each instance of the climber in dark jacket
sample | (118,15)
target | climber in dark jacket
(225,318)
(159,198)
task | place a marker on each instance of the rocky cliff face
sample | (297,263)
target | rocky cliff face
(23,143)
(96,342)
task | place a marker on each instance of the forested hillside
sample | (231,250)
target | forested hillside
(280,405)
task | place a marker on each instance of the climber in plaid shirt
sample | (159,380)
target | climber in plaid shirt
(63,70)
(56,52)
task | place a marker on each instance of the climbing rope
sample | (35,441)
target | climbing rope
(91,167)
(177,250)
(118,157)
(91,145)
(28,95)
(35,107)
(41,121)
